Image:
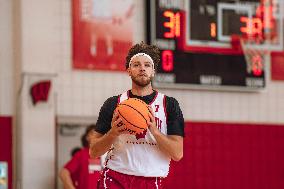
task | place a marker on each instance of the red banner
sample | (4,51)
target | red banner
(6,148)
(102,33)
(277,66)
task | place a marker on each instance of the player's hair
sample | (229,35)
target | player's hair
(152,50)
(84,140)
(74,151)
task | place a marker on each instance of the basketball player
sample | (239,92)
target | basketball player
(81,172)
(139,161)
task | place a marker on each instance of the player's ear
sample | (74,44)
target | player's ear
(154,72)
(128,71)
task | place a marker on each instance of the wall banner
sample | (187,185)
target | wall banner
(102,33)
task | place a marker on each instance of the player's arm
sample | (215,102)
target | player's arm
(70,168)
(107,129)
(101,143)
(66,179)
(172,143)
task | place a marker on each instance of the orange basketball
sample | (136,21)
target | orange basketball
(134,114)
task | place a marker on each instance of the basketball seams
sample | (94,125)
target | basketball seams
(128,121)
(139,100)
(142,103)
(133,105)
(135,110)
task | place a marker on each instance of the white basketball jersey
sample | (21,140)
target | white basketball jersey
(139,155)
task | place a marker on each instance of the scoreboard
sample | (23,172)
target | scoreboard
(195,39)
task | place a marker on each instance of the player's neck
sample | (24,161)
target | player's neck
(141,91)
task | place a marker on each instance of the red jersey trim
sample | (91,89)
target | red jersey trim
(154,97)
(165,109)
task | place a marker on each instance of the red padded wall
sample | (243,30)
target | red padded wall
(277,66)
(6,145)
(230,156)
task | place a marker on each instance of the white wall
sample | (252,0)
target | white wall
(6,59)
(35,51)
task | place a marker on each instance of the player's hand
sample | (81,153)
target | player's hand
(152,123)
(117,126)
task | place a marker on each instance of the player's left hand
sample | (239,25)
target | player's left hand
(152,123)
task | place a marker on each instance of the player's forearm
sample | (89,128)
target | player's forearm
(172,147)
(66,179)
(100,146)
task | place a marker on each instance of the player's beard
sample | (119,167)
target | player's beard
(141,82)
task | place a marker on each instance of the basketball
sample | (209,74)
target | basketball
(134,114)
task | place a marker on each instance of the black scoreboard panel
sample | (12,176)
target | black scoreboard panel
(191,57)
(204,13)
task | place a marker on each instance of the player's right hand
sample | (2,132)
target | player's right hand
(117,126)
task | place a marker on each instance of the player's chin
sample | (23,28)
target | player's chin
(142,81)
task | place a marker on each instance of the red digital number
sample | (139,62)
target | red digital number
(264,20)
(257,65)
(213,29)
(253,27)
(173,24)
(167,61)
